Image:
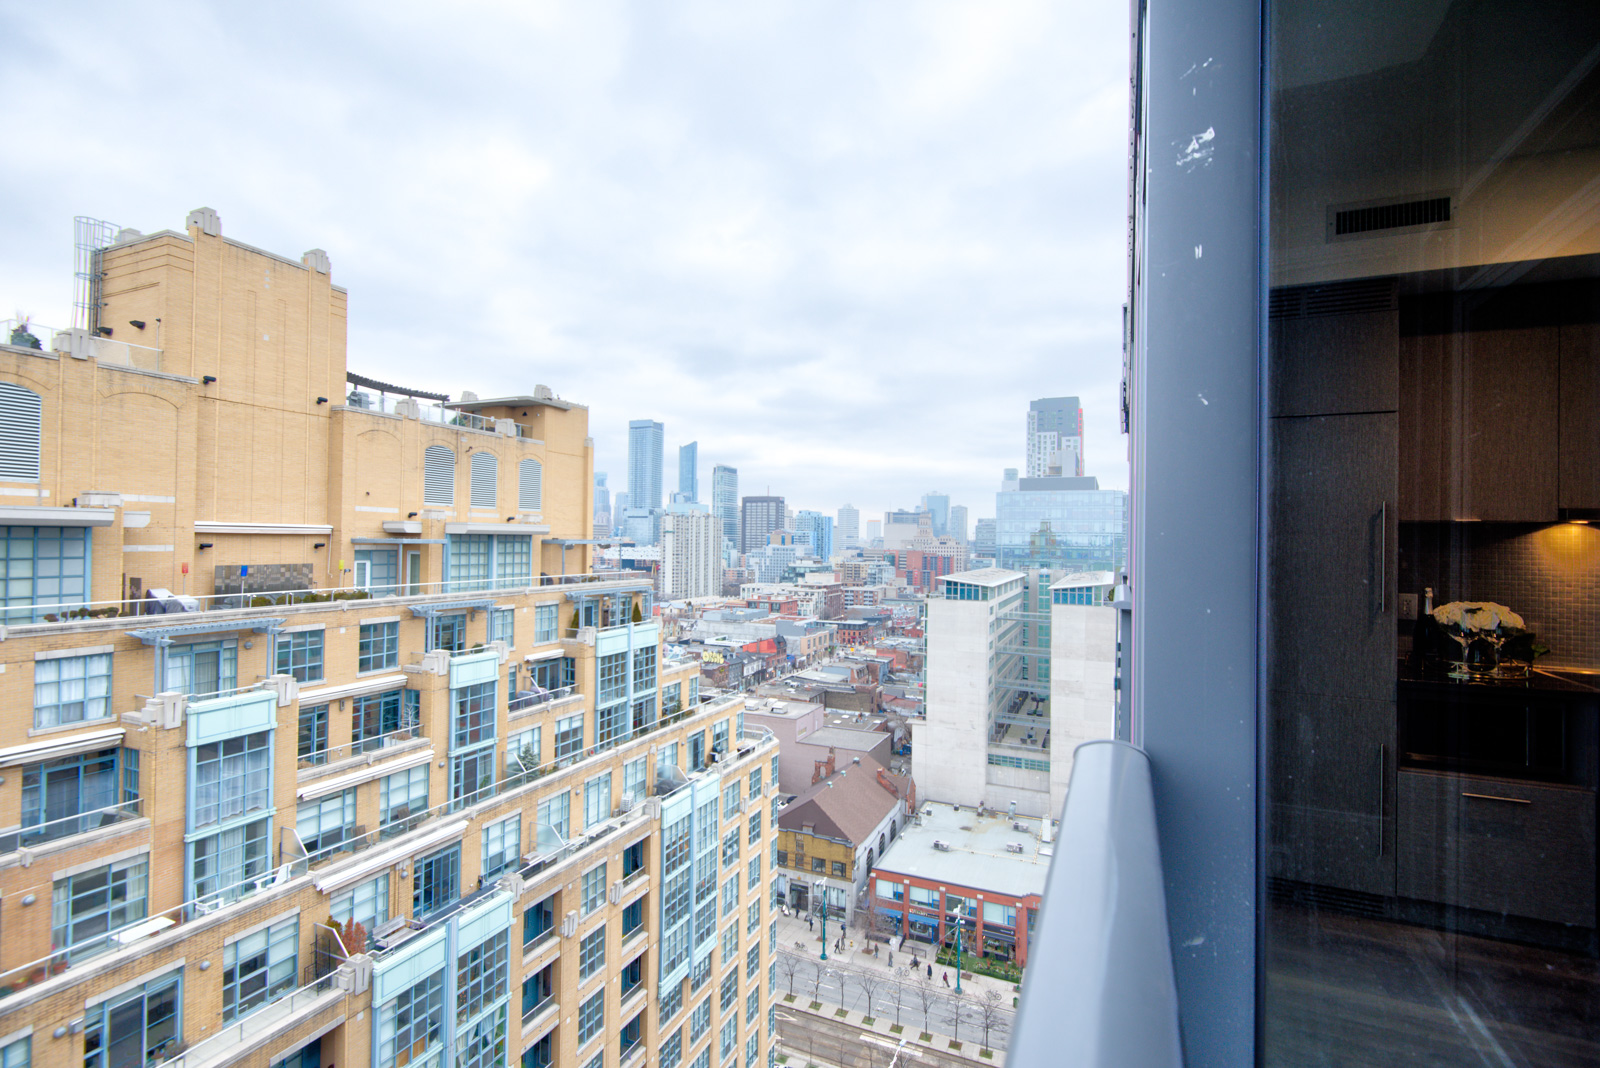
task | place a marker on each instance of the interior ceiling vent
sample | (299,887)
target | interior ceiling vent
(1351,220)
(1333,298)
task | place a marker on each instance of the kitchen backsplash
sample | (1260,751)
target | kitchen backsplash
(1550,575)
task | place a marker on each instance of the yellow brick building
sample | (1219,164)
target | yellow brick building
(326,748)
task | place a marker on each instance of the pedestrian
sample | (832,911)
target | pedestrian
(810,926)
(930,971)
(946,978)
(891,958)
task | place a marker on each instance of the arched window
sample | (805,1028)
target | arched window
(485,473)
(19,434)
(530,485)
(438,475)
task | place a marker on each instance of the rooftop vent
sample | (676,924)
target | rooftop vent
(1015,847)
(941,845)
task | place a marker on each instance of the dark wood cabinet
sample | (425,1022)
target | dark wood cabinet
(1504,846)
(1333,528)
(1333,364)
(1580,417)
(1479,438)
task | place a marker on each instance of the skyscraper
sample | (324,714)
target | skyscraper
(602,503)
(688,471)
(937,505)
(644,463)
(758,518)
(691,555)
(725,500)
(849,524)
(958,522)
(1055,437)
(820,527)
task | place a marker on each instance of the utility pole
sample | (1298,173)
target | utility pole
(958,957)
(824,885)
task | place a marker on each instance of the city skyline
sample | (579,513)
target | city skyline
(831,193)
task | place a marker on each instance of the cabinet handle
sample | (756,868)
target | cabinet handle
(1383,764)
(1383,556)
(1497,797)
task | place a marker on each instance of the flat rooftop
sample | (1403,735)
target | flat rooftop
(984,576)
(845,738)
(977,857)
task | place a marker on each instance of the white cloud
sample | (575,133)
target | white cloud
(841,245)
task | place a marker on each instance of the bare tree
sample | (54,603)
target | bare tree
(896,992)
(954,1003)
(871,985)
(923,989)
(842,974)
(789,964)
(991,1013)
(816,980)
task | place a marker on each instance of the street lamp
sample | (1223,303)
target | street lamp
(958,956)
(824,884)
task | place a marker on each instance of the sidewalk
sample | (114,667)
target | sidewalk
(793,935)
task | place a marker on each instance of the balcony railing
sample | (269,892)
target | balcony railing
(528,700)
(67,826)
(374,744)
(1100,967)
(236,1039)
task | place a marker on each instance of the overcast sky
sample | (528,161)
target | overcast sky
(841,245)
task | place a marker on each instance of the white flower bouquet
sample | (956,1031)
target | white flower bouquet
(1487,634)
(1478,619)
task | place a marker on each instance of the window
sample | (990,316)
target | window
(753,916)
(700,973)
(411,1025)
(436,881)
(541,1053)
(694,691)
(752,962)
(644,669)
(772,988)
(633,916)
(556,673)
(503,626)
(752,1046)
(594,888)
(613,677)
(232,778)
(402,796)
(18,1054)
(258,967)
(438,475)
(671,1050)
(483,1044)
(818,864)
(300,654)
(755,871)
(134,1028)
(472,775)
(729,1040)
(732,795)
(752,1007)
(91,904)
(592,952)
(544,624)
(474,719)
(697,751)
(482,974)
(555,820)
(537,990)
(633,858)
(530,495)
(485,473)
(730,847)
(379,647)
(21,419)
(670,1002)
(755,782)
(449,632)
(591,1016)
(668,756)
(730,942)
(326,823)
(719,737)
(730,896)
(633,785)
(202,667)
(671,699)
(838,869)
(569,736)
(522,755)
(71,689)
(632,975)
(374,717)
(367,903)
(597,800)
(502,845)
(513,562)
(43,566)
(312,746)
(471,559)
(781,858)
(224,863)
(82,786)
(538,921)
(700,1020)
(755,827)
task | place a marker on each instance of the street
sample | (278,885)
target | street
(845,985)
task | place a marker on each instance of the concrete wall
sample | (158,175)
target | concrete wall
(949,760)
(1083,652)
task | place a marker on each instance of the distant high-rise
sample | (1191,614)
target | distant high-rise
(725,500)
(937,505)
(758,518)
(688,468)
(602,504)
(958,522)
(691,555)
(820,527)
(644,464)
(874,530)
(983,545)
(1055,437)
(619,504)
(849,524)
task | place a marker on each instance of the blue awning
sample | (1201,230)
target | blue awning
(164,635)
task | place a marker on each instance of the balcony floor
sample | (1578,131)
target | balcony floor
(1345,990)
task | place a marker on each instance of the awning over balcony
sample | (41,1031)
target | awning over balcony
(164,635)
(13,515)
(428,611)
(60,746)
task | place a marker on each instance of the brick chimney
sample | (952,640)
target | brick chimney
(823,768)
(887,783)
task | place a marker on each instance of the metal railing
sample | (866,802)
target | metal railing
(1100,966)
(527,700)
(275,1013)
(67,826)
(378,742)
